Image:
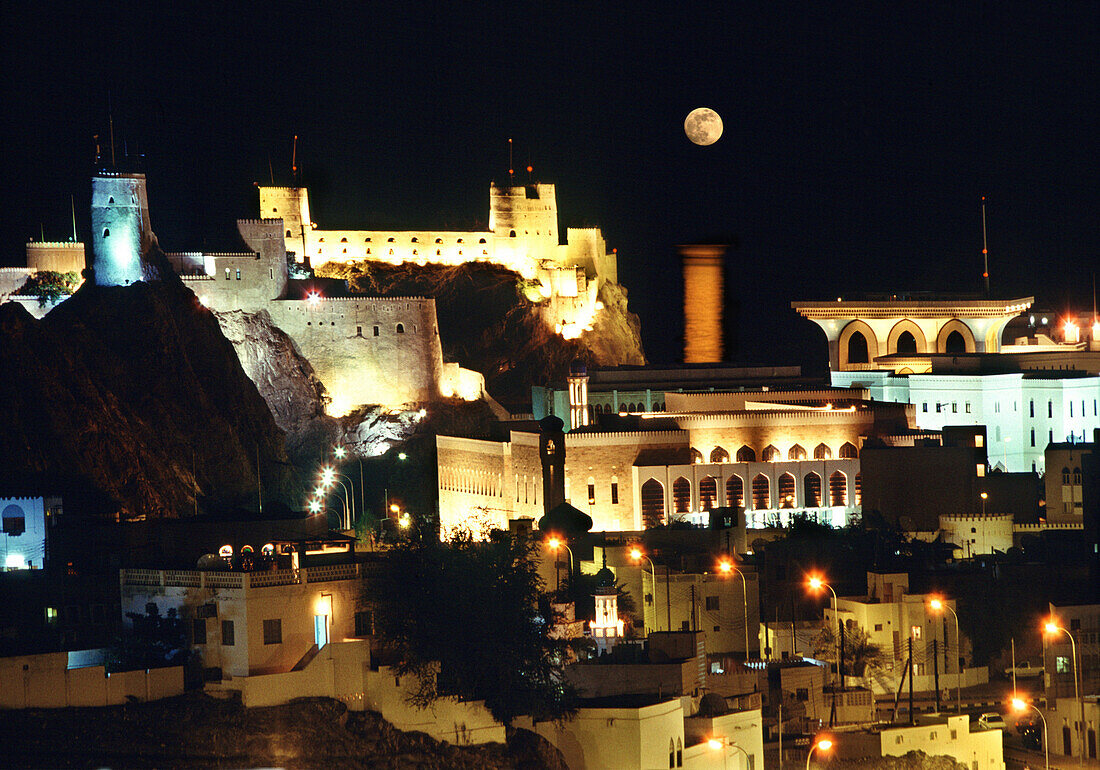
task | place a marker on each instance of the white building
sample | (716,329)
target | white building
(934,735)
(23,531)
(251,623)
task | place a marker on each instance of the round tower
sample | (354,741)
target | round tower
(704,272)
(120,227)
(606,628)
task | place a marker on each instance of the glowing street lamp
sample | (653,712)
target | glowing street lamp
(816,584)
(636,554)
(1054,629)
(984,496)
(726,567)
(720,744)
(339,452)
(939,605)
(554,544)
(1019,704)
(313,298)
(821,744)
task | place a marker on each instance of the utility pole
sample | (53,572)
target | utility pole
(936,670)
(911,720)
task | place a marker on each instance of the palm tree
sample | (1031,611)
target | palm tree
(860,653)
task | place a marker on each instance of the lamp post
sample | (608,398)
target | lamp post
(984,496)
(555,543)
(720,744)
(1053,629)
(939,605)
(816,584)
(1022,705)
(321,492)
(328,476)
(822,744)
(637,554)
(726,567)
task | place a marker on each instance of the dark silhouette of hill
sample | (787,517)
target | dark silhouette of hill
(135,391)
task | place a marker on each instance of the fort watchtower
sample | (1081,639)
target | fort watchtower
(121,232)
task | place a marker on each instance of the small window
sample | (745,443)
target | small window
(878,626)
(111,201)
(271,272)
(227,633)
(358,331)
(712,604)
(106,232)
(915,632)
(273,631)
(802,694)
(364,624)
(288,234)
(512,234)
(401,328)
(375,331)
(227,276)
(924,407)
(198,630)
(238,274)
(614,493)
(591,494)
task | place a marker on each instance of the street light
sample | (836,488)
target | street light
(1022,705)
(637,554)
(821,744)
(329,476)
(1054,629)
(726,567)
(816,584)
(555,543)
(322,491)
(984,496)
(938,605)
(720,744)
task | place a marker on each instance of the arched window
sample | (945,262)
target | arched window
(822,452)
(955,343)
(439,240)
(838,489)
(343,240)
(771,454)
(1065,476)
(401,328)
(653,504)
(14,520)
(679,753)
(746,454)
(671,754)
(811,486)
(708,494)
(858,484)
(735,492)
(907,343)
(696,456)
(106,233)
(481,240)
(389,240)
(111,201)
(681,495)
(415,240)
(848,451)
(512,234)
(761,492)
(786,491)
(717,455)
(591,491)
(1076,477)
(796,453)
(857,349)
(288,234)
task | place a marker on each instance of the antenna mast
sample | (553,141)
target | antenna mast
(72,206)
(511,168)
(294,162)
(111,125)
(985,252)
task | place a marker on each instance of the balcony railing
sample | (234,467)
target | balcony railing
(238,580)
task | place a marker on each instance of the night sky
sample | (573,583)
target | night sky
(859,137)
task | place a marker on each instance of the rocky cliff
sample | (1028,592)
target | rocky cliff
(136,390)
(486,323)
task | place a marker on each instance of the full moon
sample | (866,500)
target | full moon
(703,126)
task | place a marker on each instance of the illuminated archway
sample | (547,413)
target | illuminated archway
(708,494)
(955,326)
(811,486)
(865,341)
(906,338)
(761,492)
(653,504)
(735,492)
(746,454)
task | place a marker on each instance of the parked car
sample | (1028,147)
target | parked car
(991,721)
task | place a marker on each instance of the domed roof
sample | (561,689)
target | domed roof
(566,520)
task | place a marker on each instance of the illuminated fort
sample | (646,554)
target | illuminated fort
(523,236)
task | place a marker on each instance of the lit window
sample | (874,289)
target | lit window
(915,630)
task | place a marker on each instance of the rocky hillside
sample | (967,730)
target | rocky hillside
(136,390)
(197,731)
(486,323)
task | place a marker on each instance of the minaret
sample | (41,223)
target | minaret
(552,454)
(606,628)
(704,268)
(121,233)
(578,395)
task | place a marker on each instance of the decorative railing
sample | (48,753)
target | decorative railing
(238,580)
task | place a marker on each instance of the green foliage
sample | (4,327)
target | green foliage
(50,286)
(462,617)
(860,653)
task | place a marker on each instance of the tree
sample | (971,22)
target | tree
(860,653)
(50,286)
(461,616)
